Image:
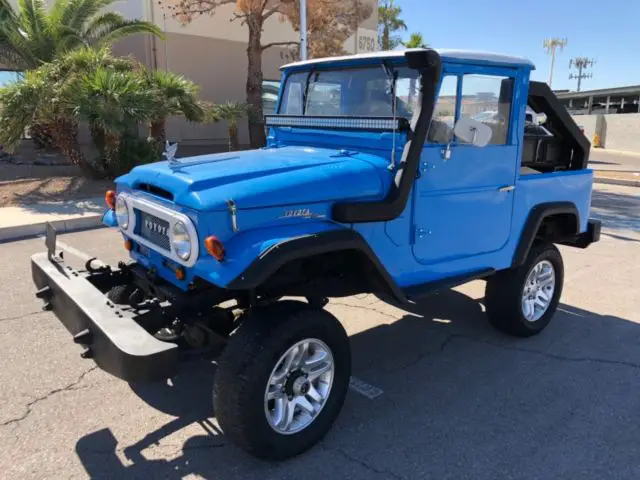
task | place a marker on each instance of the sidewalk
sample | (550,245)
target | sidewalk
(629,179)
(66,216)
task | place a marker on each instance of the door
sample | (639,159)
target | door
(464,194)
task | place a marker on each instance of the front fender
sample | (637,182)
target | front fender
(325,238)
(245,247)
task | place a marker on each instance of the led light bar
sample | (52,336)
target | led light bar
(341,123)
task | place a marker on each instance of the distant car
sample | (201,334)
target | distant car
(488,116)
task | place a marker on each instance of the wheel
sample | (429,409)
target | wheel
(282,379)
(522,301)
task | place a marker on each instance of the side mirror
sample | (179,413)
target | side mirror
(471,131)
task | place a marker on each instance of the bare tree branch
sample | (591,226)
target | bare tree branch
(278,44)
(271,11)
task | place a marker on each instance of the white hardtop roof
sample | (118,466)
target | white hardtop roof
(445,54)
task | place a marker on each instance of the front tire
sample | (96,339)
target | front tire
(282,379)
(522,301)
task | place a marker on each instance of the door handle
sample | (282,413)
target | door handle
(508,188)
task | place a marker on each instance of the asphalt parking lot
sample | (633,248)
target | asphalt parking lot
(458,400)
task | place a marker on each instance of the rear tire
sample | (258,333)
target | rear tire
(510,294)
(245,392)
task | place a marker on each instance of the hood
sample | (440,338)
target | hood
(266,177)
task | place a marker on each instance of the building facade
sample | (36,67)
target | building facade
(211,51)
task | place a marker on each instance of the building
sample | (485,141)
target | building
(605,100)
(211,51)
(600,113)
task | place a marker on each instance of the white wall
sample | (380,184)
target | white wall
(618,131)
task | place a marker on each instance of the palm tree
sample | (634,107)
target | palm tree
(40,96)
(415,41)
(231,112)
(34,35)
(113,103)
(389,21)
(174,95)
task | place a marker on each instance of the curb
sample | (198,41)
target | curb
(19,232)
(617,181)
(626,153)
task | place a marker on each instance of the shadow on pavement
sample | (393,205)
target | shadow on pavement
(616,211)
(460,401)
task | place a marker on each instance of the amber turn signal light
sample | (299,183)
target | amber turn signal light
(214,247)
(180,273)
(110,199)
(128,245)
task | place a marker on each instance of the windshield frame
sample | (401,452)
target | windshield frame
(389,71)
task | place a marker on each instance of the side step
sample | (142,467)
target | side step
(415,292)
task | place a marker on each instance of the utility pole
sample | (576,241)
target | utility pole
(303,29)
(580,64)
(551,45)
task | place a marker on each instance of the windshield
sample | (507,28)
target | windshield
(351,92)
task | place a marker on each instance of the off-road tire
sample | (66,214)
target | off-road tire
(503,294)
(245,366)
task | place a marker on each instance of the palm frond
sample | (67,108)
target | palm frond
(77,14)
(33,17)
(111,27)
(21,104)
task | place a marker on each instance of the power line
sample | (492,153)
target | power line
(581,64)
(551,45)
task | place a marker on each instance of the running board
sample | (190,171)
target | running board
(415,292)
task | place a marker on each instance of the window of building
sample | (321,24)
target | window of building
(487,99)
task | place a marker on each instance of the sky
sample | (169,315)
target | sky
(608,31)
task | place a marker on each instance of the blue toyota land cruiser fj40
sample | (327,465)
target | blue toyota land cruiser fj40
(395,173)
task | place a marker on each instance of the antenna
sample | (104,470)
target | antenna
(580,64)
(551,45)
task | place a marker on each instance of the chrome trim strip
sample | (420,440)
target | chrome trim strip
(171,216)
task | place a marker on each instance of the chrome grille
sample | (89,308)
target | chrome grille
(154,229)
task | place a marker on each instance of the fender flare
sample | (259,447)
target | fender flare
(302,246)
(532,225)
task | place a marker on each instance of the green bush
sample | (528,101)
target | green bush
(134,151)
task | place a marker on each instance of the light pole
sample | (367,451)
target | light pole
(551,45)
(303,29)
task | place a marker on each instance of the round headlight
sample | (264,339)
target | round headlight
(122,213)
(180,240)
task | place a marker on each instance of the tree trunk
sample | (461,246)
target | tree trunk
(41,136)
(99,140)
(65,136)
(254,82)
(111,153)
(386,38)
(157,130)
(233,137)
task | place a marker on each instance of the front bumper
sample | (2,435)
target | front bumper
(111,335)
